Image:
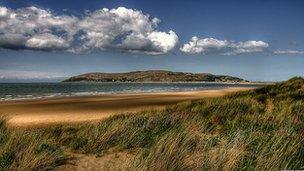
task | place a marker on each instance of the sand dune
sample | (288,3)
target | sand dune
(90,108)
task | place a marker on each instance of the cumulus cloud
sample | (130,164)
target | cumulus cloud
(120,28)
(154,43)
(35,28)
(47,41)
(288,52)
(224,47)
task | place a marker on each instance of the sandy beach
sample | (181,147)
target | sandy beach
(41,112)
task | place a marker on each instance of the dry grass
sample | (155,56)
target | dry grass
(235,132)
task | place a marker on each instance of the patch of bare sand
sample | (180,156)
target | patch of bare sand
(42,112)
(112,161)
(269,105)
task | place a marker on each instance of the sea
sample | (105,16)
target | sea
(19,91)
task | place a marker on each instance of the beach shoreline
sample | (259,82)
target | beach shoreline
(42,91)
(76,109)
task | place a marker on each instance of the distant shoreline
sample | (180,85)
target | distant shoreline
(62,81)
(184,82)
(46,96)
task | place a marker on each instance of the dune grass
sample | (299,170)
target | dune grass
(262,129)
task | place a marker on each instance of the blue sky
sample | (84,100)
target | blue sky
(255,40)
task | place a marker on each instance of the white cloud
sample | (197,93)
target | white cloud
(7,74)
(224,47)
(154,43)
(3,12)
(119,28)
(288,52)
(46,41)
(197,45)
(125,29)
(21,28)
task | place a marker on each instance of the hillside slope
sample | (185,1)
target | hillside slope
(153,76)
(262,129)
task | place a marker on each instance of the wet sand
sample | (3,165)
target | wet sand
(41,112)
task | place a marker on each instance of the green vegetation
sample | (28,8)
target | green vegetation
(153,76)
(261,129)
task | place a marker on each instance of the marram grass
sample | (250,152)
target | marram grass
(261,129)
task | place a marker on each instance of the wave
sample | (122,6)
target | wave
(14,91)
(10,97)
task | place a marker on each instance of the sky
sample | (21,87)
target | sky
(47,40)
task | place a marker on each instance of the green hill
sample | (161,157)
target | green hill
(262,129)
(153,76)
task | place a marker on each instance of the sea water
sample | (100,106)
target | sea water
(15,91)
